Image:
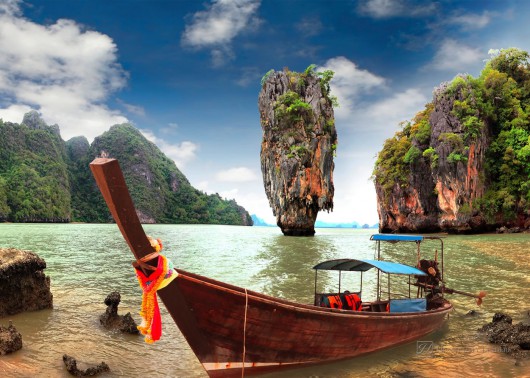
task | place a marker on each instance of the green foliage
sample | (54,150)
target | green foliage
(455,140)
(420,128)
(455,157)
(290,106)
(4,208)
(430,153)
(393,165)
(390,167)
(297,151)
(459,150)
(513,62)
(465,210)
(310,69)
(473,126)
(329,125)
(34,183)
(412,155)
(266,76)
(325,78)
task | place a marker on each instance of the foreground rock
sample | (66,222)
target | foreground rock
(10,339)
(514,339)
(23,284)
(299,141)
(71,366)
(111,320)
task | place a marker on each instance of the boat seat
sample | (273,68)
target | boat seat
(408,305)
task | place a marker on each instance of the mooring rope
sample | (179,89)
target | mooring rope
(244,333)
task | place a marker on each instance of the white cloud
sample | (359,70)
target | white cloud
(309,26)
(182,153)
(217,26)
(470,21)
(229,194)
(171,128)
(14,113)
(203,185)
(10,7)
(455,56)
(389,112)
(348,83)
(133,109)
(236,174)
(63,71)
(395,8)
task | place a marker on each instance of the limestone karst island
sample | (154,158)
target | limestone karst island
(299,142)
(462,164)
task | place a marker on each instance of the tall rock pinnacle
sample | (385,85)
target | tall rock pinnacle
(299,142)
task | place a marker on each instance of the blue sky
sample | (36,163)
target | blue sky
(187,73)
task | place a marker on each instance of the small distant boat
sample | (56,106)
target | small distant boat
(234,331)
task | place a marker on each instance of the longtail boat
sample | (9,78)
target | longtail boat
(234,331)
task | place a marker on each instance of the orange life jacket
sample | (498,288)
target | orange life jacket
(334,301)
(353,302)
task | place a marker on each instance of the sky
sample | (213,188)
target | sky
(187,74)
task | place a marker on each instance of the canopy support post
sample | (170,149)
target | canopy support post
(316,275)
(388,277)
(378,271)
(361,291)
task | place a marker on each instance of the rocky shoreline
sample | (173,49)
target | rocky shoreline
(514,339)
(23,284)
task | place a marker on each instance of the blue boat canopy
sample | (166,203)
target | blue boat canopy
(396,238)
(364,265)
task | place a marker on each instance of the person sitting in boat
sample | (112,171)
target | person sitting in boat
(351,301)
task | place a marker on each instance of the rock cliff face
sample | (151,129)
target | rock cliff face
(23,285)
(299,141)
(439,191)
(462,164)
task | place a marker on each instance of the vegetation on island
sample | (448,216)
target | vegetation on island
(494,106)
(290,108)
(34,183)
(44,179)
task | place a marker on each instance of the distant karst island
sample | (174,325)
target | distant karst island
(45,179)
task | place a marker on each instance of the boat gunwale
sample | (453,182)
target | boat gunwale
(240,291)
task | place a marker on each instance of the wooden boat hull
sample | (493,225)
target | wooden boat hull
(222,322)
(230,328)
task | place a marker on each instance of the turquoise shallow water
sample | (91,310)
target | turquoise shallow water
(86,262)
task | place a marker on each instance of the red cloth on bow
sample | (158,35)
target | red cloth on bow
(152,321)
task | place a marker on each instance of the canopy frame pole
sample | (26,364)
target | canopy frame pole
(340,276)
(361,290)
(378,271)
(388,277)
(316,275)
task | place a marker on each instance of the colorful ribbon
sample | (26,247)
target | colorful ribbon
(151,325)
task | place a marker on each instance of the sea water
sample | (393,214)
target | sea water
(88,261)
